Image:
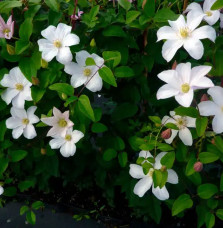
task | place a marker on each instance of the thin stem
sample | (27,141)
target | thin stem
(185,4)
(75,8)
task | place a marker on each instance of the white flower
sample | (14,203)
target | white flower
(182,82)
(210,16)
(182,122)
(214,108)
(143,185)
(87,75)
(18,88)
(1,190)
(181,33)
(60,123)
(67,143)
(57,43)
(22,122)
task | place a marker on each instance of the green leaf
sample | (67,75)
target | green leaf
(26,29)
(31,217)
(10,191)
(131,16)
(53,4)
(219,143)
(109,154)
(17,155)
(206,191)
(107,75)
(208,157)
(90,18)
(6,6)
(3,164)
(3,130)
(168,160)
(190,166)
(183,111)
(124,110)
(124,72)
(21,46)
(171,126)
(98,128)
(114,30)
(63,88)
(159,178)
(113,56)
(146,166)
(164,15)
(24,185)
(70,100)
(28,68)
(217,5)
(155,119)
(149,8)
(37,205)
(37,93)
(90,62)
(123,159)
(84,106)
(219,213)
(125,4)
(209,220)
(201,125)
(182,203)
(23,209)
(164,147)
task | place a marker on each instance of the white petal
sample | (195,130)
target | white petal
(185,99)
(167,119)
(68,149)
(172,176)
(30,114)
(64,55)
(136,171)
(13,122)
(208,108)
(171,77)
(49,120)
(203,83)
(186,137)
(159,156)
(194,6)
(45,45)
(8,95)
(204,32)
(211,20)
(95,83)
(76,136)
(194,47)
(178,24)
(49,54)
(29,132)
(194,18)
(172,137)
(217,123)
(18,101)
(70,40)
(19,113)
(184,72)
(166,33)
(56,143)
(208,4)
(8,81)
(62,31)
(161,194)
(57,113)
(98,60)
(73,68)
(81,57)
(17,132)
(145,154)
(49,33)
(191,122)
(1,190)
(143,186)
(166,91)
(18,76)
(216,93)
(198,72)
(170,48)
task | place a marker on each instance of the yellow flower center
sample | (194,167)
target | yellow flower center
(62,123)
(6,31)
(68,137)
(184,32)
(19,86)
(181,122)
(87,72)
(150,173)
(208,13)
(57,43)
(185,88)
(25,121)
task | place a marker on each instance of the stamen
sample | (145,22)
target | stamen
(185,88)
(68,137)
(208,13)
(62,123)
(19,86)
(184,32)
(57,43)
(25,121)
(87,72)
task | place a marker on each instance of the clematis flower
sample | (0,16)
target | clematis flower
(22,122)
(67,143)
(214,108)
(146,181)
(57,43)
(182,122)
(1,190)
(182,82)
(85,75)
(18,88)
(60,123)
(210,16)
(181,33)
(6,29)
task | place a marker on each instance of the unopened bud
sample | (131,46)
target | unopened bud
(198,166)
(64,96)
(35,81)
(163,168)
(174,66)
(25,9)
(213,141)
(43,151)
(204,97)
(166,134)
(44,63)
(93,43)
(10,49)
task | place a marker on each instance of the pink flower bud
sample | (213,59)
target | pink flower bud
(198,166)
(204,97)
(166,134)
(174,65)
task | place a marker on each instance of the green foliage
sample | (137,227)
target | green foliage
(182,203)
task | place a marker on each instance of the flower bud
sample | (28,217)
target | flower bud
(10,49)
(43,151)
(213,141)
(174,66)
(204,97)
(198,166)
(166,134)
(44,63)
(35,81)
(93,43)
(163,168)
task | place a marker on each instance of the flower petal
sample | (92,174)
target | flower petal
(8,81)
(30,114)
(217,123)
(191,122)
(49,33)
(49,120)
(81,57)
(170,48)
(185,99)
(73,68)
(29,132)
(184,72)
(211,20)
(216,93)
(203,83)
(49,54)
(172,137)
(186,137)
(145,154)
(194,47)
(62,31)
(18,101)
(178,24)
(17,132)
(158,158)
(204,32)
(56,143)
(98,60)
(13,122)
(208,4)
(166,33)
(68,149)
(194,18)
(136,171)
(166,91)
(172,176)
(19,113)
(199,72)
(194,6)
(161,194)
(70,40)
(64,55)
(45,45)
(143,186)
(208,108)
(1,190)
(9,94)
(171,77)
(95,83)
(76,136)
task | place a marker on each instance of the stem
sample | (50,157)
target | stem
(75,7)
(185,4)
